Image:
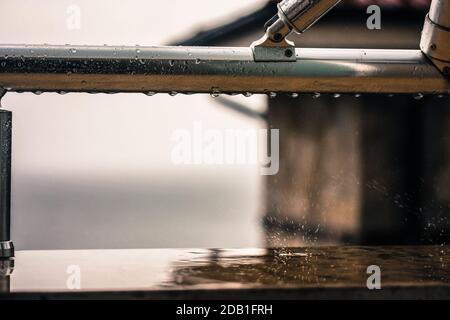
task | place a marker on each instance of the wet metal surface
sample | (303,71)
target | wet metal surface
(210,271)
(215,70)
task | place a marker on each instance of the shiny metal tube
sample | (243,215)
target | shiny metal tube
(298,16)
(435,41)
(206,70)
(440,13)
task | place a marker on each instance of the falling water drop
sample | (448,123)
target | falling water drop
(316,95)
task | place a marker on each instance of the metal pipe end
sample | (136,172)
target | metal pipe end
(6,249)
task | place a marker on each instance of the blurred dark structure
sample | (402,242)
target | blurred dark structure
(366,169)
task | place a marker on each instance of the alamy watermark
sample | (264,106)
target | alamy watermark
(208,146)
(73,19)
(374,20)
(73,280)
(374,280)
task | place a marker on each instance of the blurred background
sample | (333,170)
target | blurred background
(95,171)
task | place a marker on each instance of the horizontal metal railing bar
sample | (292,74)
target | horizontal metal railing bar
(215,69)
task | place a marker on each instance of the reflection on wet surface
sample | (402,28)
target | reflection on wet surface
(159,270)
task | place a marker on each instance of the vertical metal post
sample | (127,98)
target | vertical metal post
(6,245)
(6,269)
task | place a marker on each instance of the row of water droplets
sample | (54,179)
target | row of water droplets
(217,93)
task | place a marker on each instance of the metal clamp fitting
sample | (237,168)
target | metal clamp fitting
(435,41)
(6,249)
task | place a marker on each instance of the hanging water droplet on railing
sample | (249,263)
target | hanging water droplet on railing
(173,93)
(248,94)
(272,95)
(294,95)
(316,95)
(418,96)
(150,93)
(336,95)
(215,93)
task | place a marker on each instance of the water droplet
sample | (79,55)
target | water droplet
(336,95)
(358,95)
(316,95)
(418,96)
(138,51)
(440,96)
(62,92)
(294,95)
(150,93)
(272,95)
(171,63)
(390,95)
(248,94)
(37,92)
(173,93)
(215,94)
(198,61)
(73,50)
